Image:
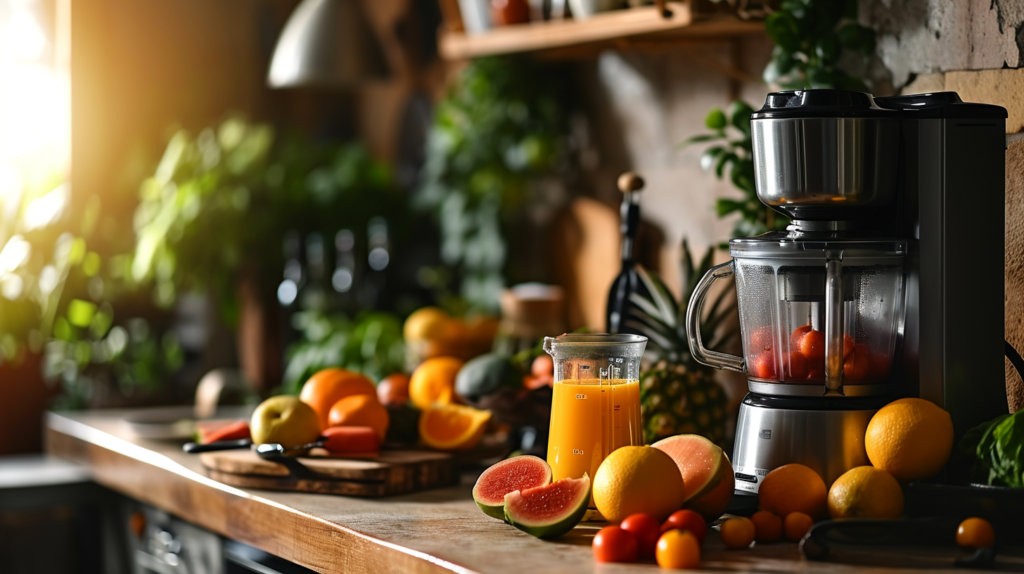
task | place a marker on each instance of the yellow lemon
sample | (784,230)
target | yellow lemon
(865,492)
(909,438)
(638,479)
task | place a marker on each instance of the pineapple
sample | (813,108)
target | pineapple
(677,394)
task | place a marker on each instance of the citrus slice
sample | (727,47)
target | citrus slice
(452,427)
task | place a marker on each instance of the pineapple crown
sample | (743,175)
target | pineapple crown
(663,319)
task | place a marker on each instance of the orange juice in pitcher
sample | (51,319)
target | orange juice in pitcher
(595,407)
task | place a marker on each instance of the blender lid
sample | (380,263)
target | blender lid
(780,244)
(820,104)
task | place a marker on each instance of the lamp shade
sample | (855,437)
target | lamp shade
(327,43)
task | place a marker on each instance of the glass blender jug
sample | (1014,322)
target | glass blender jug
(817,317)
(595,407)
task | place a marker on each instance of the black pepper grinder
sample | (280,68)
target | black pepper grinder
(627,282)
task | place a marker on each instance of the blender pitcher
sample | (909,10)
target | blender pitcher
(595,407)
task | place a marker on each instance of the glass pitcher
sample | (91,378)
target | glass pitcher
(595,407)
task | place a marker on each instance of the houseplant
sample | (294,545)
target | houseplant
(214,215)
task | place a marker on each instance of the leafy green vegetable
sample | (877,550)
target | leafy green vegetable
(998,446)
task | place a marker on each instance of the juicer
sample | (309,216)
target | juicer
(888,282)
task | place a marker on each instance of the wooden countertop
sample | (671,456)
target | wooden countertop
(433,531)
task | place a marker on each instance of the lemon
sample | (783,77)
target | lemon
(635,479)
(909,438)
(865,492)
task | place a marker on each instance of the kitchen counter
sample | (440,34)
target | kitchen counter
(438,530)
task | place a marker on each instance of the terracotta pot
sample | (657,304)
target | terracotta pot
(259,334)
(24,397)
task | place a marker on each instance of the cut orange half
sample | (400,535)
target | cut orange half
(452,427)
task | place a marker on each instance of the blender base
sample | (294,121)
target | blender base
(822,433)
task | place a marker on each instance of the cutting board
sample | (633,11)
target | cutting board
(393,472)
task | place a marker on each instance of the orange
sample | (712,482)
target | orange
(452,427)
(434,381)
(796,525)
(793,488)
(767,526)
(865,492)
(360,411)
(638,479)
(737,532)
(427,323)
(329,386)
(909,438)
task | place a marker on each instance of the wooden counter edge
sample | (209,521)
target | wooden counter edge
(155,479)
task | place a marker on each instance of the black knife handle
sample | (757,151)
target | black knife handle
(194,448)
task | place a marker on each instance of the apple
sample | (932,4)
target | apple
(285,420)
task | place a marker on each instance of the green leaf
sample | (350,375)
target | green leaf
(722,160)
(715,119)
(782,28)
(80,313)
(710,156)
(701,139)
(725,206)
(739,115)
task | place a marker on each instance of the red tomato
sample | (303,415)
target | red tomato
(761,340)
(812,345)
(975,533)
(646,530)
(798,367)
(796,336)
(848,345)
(857,363)
(687,520)
(613,544)
(764,365)
(878,365)
(678,549)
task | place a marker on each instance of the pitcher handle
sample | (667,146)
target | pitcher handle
(693,314)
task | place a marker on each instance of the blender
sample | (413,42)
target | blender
(896,206)
(595,404)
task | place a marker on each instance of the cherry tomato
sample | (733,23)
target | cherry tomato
(975,533)
(678,549)
(646,530)
(764,365)
(687,520)
(761,340)
(767,526)
(811,345)
(798,367)
(796,336)
(737,532)
(796,525)
(613,544)
(857,363)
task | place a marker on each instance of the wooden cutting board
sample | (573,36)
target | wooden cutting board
(393,472)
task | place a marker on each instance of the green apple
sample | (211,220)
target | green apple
(285,420)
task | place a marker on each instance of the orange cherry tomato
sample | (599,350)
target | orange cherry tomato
(796,335)
(796,525)
(613,544)
(811,345)
(767,526)
(678,549)
(975,533)
(646,529)
(737,532)
(687,520)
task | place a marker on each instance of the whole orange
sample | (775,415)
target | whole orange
(737,532)
(793,488)
(796,525)
(434,381)
(909,438)
(329,386)
(767,526)
(360,411)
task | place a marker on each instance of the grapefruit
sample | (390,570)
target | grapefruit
(509,475)
(549,511)
(637,479)
(708,481)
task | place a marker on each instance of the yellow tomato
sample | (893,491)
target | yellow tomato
(678,549)
(975,533)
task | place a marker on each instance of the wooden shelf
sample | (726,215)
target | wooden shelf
(619,28)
